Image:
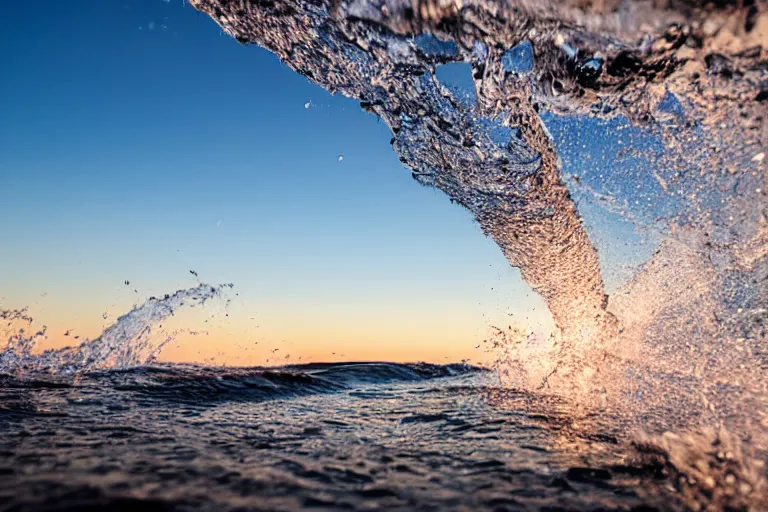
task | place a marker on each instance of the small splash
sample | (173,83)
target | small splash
(135,339)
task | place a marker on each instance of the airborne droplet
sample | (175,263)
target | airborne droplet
(589,70)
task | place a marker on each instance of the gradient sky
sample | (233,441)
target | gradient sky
(138,142)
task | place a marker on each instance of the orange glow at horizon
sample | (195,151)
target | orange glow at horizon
(214,335)
(251,327)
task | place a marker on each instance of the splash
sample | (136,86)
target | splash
(135,339)
(679,86)
(496,161)
(568,113)
(494,154)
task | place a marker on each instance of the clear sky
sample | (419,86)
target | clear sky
(138,143)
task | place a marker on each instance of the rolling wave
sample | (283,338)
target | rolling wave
(201,385)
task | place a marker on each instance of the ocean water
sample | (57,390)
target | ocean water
(324,436)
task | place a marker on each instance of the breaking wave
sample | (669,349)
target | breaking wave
(204,385)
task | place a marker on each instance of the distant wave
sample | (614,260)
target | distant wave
(198,384)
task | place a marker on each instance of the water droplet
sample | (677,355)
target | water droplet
(589,70)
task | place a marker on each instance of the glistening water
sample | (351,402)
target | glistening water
(651,394)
